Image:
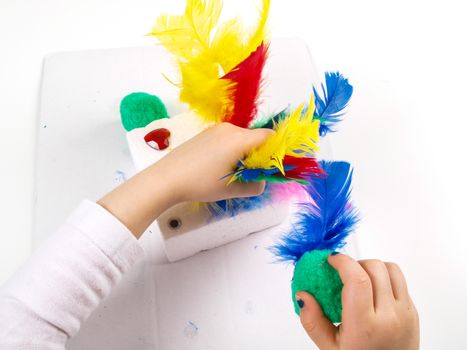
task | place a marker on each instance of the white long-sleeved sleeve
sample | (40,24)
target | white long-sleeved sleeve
(46,301)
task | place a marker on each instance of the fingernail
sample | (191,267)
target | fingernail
(334,253)
(300,303)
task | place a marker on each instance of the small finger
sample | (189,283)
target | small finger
(255,138)
(398,282)
(250,189)
(316,324)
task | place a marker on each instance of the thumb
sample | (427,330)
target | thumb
(250,189)
(255,138)
(319,328)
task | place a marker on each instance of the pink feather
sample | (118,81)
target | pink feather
(289,191)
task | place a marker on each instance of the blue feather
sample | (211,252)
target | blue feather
(336,96)
(325,224)
(234,206)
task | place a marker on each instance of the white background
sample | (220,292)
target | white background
(404,132)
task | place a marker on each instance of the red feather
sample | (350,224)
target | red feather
(246,80)
(305,168)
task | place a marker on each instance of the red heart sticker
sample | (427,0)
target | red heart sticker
(158,139)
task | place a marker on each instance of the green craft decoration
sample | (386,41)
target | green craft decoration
(314,275)
(138,109)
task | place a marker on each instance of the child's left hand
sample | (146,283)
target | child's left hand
(198,168)
(194,171)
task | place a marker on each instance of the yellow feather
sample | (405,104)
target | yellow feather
(203,61)
(295,133)
(229,46)
(188,35)
(203,91)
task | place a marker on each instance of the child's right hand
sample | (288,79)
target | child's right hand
(377,311)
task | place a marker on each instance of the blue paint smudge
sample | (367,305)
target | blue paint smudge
(120,176)
(191,330)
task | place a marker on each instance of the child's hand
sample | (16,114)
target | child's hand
(194,171)
(198,168)
(377,311)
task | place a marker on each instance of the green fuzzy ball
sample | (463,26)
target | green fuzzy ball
(138,109)
(314,275)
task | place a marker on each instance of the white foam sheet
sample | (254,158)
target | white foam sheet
(231,297)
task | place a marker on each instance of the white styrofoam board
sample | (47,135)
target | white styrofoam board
(197,228)
(230,297)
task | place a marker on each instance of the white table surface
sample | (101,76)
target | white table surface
(405,137)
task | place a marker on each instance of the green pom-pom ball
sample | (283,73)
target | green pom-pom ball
(138,109)
(314,275)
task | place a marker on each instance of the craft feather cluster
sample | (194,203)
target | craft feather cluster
(298,163)
(221,73)
(220,64)
(288,155)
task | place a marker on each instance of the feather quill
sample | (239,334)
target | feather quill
(324,223)
(329,107)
